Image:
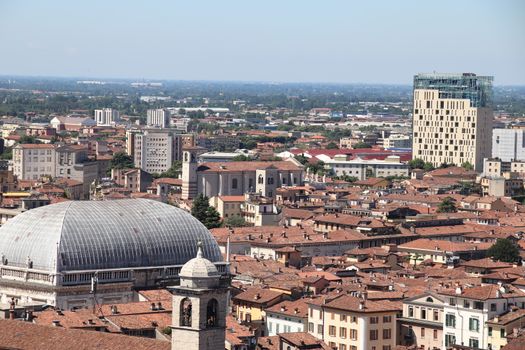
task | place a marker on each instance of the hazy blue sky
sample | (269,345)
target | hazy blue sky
(282,40)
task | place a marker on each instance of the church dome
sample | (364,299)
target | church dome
(198,267)
(93,235)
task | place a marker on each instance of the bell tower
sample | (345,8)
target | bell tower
(199,307)
(189,172)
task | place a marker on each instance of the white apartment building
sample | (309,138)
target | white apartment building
(452,119)
(153,151)
(466,311)
(397,141)
(106,116)
(260,211)
(508,144)
(158,118)
(33,161)
(286,317)
(365,168)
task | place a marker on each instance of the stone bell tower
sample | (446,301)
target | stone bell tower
(189,172)
(199,307)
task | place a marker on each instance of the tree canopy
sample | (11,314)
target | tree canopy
(205,213)
(467,166)
(504,250)
(174,171)
(235,221)
(448,205)
(361,145)
(332,145)
(418,163)
(121,160)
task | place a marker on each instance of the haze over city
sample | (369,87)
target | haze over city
(284,41)
(262,175)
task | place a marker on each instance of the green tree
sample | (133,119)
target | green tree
(28,139)
(448,205)
(174,171)
(332,145)
(317,168)
(418,163)
(241,158)
(346,178)
(235,221)
(428,166)
(467,166)
(8,154)
(205,213)
(361,145)
(302,159)
(504,250)
(121,161)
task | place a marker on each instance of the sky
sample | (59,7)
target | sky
(339,41)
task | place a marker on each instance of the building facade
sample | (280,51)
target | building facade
(508,144)
(155,150)
(467,310)
(106,116)
(200,305)
(158,118)
(422,321)
(236,178)
(56,254)
(363,168)
(352,323)
(33,161)
(452,119)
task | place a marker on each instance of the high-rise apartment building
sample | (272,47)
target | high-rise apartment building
(155,150)
(106,116)
(508,144)
(159,118)
(452,118)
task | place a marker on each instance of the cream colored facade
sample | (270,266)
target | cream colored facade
(33,161)
(353,330)
(450,130)
(500,327)
(422,321)
(227,206)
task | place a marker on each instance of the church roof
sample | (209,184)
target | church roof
(92,235)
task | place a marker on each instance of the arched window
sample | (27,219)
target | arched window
(212,313)
(185,313)
(430,300)
(234,183)
(261,179)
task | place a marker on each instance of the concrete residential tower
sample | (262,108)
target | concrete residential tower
(452,118)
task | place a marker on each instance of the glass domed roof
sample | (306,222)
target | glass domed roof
(91,235)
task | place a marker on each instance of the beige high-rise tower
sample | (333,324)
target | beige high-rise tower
(452,119)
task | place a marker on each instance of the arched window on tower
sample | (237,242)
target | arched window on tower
(212,313)
(261,179)
(185,312)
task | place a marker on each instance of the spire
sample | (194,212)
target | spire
(199,249)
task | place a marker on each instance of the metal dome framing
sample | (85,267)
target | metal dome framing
(98,235)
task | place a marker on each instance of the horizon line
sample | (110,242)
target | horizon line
(234,81)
